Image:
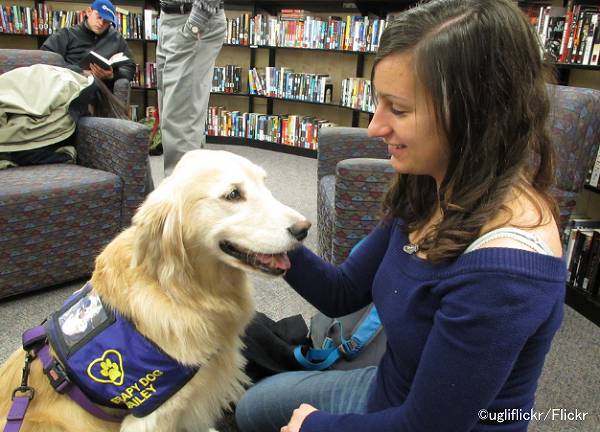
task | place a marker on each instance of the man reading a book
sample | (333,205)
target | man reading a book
(95,34)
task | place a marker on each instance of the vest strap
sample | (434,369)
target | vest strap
(16,414)
(35,340)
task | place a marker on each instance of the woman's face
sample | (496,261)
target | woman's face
(406,121)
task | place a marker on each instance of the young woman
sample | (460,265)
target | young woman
(465,267)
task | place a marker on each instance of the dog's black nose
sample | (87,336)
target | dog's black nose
(299,230)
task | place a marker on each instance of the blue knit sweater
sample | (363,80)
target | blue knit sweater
(462,337)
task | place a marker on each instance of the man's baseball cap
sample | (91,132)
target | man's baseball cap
(106,10)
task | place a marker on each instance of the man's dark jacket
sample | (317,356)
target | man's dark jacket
(74,43)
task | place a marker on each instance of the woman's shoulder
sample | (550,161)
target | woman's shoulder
(529,217)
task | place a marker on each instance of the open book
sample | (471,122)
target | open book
(103,62)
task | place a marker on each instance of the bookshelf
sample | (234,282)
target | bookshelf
(337,63)
(551,18)
(584,303)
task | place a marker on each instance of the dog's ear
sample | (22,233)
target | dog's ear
(158,241)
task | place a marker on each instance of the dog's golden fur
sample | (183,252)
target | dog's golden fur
(168,274)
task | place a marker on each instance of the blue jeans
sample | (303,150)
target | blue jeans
(268,405)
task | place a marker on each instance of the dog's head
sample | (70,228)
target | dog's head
(215,205)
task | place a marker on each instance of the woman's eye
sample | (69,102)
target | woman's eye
(397,111)
(234,195)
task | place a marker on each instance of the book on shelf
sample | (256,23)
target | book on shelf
(576,223)
(25,19)
(138,77)
(238,30)
(227,79)
(151,23)
(150,75)
(43,20)
(581,248)
(551,26)
(584,260)
(134,112)
(587,279)
(94,58)
(570,34)
(357,94)
(285,83)
(292,130)
(292,14)
(351,33)
(594,175)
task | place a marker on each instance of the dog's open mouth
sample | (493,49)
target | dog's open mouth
(273,264)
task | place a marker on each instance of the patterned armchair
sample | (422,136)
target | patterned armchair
(354,173)
(54,219)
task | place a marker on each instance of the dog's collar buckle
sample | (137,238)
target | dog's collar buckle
(57,376)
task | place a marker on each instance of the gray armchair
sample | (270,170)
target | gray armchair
(54,219)
(354,173)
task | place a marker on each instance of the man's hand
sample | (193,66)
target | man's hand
(298,417)
(100,73)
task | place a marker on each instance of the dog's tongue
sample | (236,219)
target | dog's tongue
(279,261)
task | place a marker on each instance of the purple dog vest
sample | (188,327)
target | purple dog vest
(109,360)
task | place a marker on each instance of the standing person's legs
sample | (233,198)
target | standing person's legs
(185,68)
(268,405)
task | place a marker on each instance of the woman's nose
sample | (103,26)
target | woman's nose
(378,127)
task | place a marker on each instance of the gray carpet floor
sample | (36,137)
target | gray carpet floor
(571,376)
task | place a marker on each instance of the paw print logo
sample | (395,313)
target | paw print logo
(110,369)
(107,369)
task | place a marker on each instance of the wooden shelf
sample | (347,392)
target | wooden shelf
(584,303)
(298,48)
(572,66)
(266,145)
(22,34)
(334,105)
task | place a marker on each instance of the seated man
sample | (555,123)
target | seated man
(96,34)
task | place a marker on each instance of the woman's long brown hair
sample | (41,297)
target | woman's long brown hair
(480,62)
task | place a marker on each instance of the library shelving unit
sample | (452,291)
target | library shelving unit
(557,17)
(143,50)
(584,303)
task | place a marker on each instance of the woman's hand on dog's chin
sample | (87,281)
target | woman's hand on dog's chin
(298,417)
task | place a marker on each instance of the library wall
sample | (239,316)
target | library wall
(585,78)
(18,42)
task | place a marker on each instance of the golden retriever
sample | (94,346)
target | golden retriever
(178,273)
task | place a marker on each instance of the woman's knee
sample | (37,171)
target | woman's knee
(268,404)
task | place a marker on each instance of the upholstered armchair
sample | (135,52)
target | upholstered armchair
(55,219)
(574,126)
(354,173)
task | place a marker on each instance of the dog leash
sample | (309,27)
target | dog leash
(35,344)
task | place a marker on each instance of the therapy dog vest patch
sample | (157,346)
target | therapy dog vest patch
(109,360)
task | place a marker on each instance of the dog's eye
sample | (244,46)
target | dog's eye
(234,195)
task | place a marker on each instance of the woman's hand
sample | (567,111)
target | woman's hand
(298,417)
